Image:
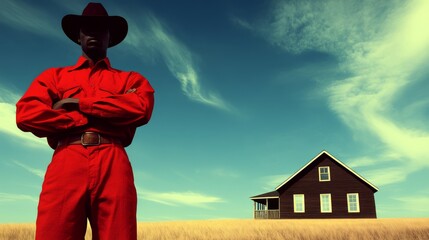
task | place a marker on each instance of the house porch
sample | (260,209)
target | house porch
(266,208)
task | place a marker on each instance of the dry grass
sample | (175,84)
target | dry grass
(392,229)
(16,231)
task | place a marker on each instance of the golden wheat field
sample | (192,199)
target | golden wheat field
(386,229)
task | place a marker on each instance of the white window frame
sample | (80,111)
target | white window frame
(320,174)
(295,203)
(349,203)
(321,203)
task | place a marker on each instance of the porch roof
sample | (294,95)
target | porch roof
(273,194)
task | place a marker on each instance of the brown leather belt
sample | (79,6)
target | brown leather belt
(87,139)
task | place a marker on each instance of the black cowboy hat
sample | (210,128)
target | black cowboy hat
(118,26)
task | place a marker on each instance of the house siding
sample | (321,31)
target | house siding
(341,182)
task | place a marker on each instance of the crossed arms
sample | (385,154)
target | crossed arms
(41,112)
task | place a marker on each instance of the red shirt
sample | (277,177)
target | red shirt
(104,104)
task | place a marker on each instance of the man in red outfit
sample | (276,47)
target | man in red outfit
(89,112)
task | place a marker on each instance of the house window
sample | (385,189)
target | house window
(298,203)
(325,203)
(353,202)
(324,174)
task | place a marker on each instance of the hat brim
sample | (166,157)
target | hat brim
(118,27)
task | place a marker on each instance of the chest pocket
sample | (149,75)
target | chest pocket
(113,86)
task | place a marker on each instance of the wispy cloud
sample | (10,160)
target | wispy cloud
(272,181)
(148,35)
(298,26)
(391,172)
(179,198)
(366,100)
(35,171)
(19,15)
(416,204)
(387,175)
(381,45)
(8,120)
(9,197)
(361,162)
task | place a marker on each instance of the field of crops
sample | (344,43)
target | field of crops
(391,229)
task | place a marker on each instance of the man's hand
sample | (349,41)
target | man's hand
(131,90)
(67,103)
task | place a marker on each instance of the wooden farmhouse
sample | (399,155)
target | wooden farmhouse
(324,188)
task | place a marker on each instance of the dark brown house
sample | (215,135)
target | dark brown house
(324,188)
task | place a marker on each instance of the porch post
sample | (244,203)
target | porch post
(266,209)
(254,209)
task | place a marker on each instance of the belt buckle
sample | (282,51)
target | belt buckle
(90,143)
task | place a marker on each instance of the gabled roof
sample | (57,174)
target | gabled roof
(273,194)
(336,160)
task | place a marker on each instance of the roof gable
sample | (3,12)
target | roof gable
(335,160)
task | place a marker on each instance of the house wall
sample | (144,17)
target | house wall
(342,182)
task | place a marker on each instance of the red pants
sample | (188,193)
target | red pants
(93,182)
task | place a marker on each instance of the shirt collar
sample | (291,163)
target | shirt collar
(83,62)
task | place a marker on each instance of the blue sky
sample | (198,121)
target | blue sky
(247,92)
